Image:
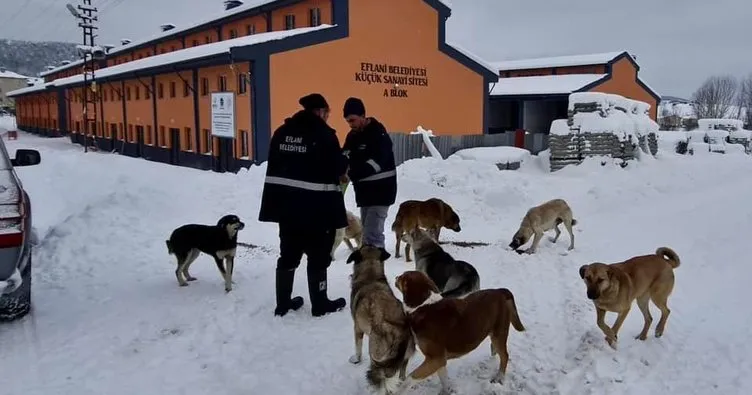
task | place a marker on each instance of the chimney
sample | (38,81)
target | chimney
(50,68)
(230,4)
(125,41)
(65,62)
(166,27)
(108,47)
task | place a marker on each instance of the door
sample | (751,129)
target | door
(139,141)
(226,155)
(174,146)
(113,136)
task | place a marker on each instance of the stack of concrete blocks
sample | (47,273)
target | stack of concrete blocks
(736,134)
(601,124)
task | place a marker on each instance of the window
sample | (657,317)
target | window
(120,131)
(162,137)
(207,39)
(138,93)
(204,86)
(188,140)
(163,51)
(130,133)
(207,138)
(242,84)
(172,89)
(147,92)
(194,43)
(222,83)
(128,93)
(233,33)
(243,143)
(160,90)
(104,96)
(148,136)
(289,22)
(250,29)
(315,16)
(186,89)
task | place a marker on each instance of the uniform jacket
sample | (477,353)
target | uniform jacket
(371,165)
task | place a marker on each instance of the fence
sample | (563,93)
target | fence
(410,146)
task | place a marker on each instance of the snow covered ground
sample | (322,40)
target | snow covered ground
(109,318)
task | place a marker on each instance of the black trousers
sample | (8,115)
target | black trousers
(294,241)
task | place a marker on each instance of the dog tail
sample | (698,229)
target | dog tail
(397,221)
(169,247)
(673,258)
(380,372)
(514,318)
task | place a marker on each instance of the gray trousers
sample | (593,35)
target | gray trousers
(373,218)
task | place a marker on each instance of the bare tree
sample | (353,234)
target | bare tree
(715,97)
(745,100)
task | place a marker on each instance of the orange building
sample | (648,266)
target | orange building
(531,93)
(154,97)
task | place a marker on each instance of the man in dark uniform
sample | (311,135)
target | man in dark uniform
(302,194)
(371,169)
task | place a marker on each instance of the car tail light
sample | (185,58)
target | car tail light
(12,224)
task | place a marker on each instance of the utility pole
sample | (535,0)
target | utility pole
(90,54)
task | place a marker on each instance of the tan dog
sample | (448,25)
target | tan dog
(354,230)
(540,219)
(451,328)
(432,215)
(376,312)
(643,278)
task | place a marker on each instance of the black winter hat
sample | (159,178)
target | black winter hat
(314,101)
(354,106)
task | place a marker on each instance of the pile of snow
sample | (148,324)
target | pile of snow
(7,123)
(427,134)
(107,306)
(612,113)
(494,155)
(720,124)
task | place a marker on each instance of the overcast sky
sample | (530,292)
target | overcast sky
(678,42)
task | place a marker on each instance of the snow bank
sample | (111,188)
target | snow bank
(12,283)
(427,134)
(494,155)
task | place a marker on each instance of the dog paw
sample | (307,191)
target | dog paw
(658,333)
(447,391)
(228,289)
(354,359)
(570,248)
(611,342)
(552,239)
(183,284)
(641,337)
(497,379)
(190,278)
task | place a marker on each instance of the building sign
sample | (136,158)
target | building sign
(223,114)
(398,79)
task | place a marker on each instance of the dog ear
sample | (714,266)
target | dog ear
(384,254)
(356,257)
(582,271)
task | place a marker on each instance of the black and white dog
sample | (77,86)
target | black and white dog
(218,241)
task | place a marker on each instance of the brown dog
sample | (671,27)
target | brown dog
(432,215)
(613,287)
(540,219)
(451,328)
(353,230)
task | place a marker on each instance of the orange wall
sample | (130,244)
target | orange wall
(139,112)
(302,15)
(169,46)
(241,26)
(452,103)
(624,82)
(201,37)
(177,111)
(112,107)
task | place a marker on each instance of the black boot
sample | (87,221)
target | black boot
(285,278)
(320,303)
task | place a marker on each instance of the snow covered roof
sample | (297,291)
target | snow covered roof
(12,75)
(475,58)
(30,89)
(558,61)
(192,53)
(175,32)
(543,85)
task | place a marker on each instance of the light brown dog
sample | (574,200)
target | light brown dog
(451,328)
(613,287)
(353,230)
(540,219)
(376,312)
(431,214)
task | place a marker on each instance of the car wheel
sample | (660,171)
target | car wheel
(17,304)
